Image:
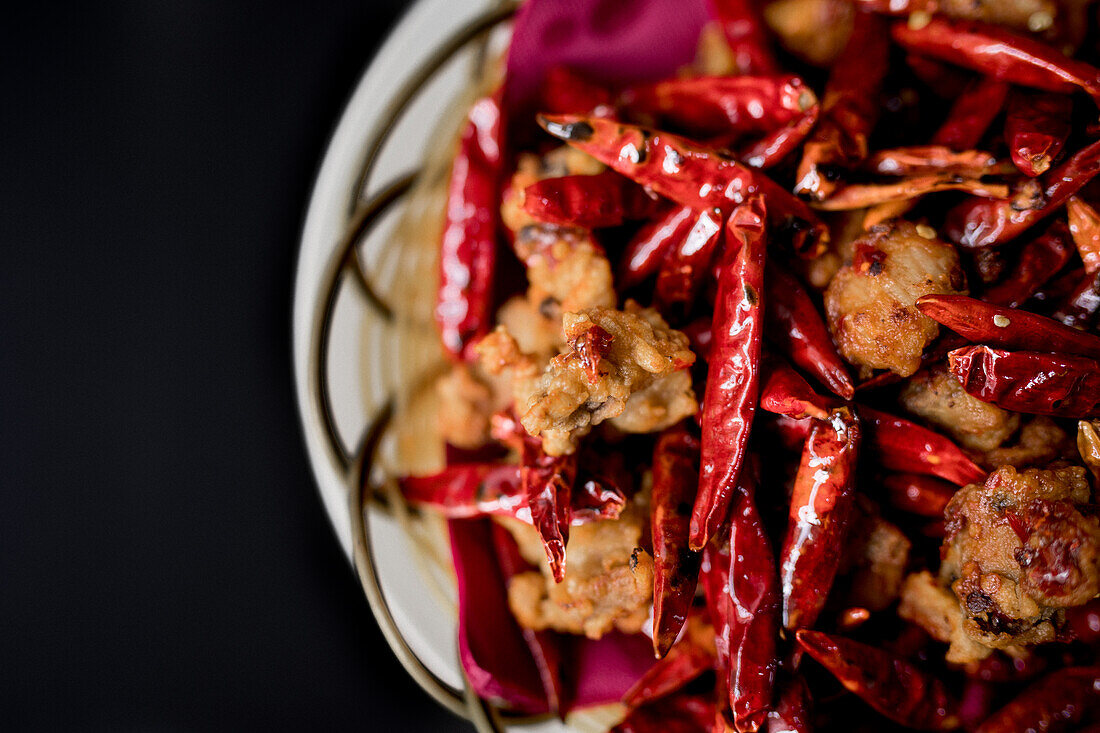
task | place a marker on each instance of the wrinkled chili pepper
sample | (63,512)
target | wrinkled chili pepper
(680,713)
(1007,328)
(793,323)
(999,53)
(548,485)
(922,160)
(848,110)
(688,174)
(675,567)
(821,506)
(1084,225)
(730,399)
(862,195)
(922,495)
(1038,261)
(769,150)
(681,274)
(1036,128)
(714,576)
(785,392)
(971,114)
(685,662)
(988,222)
(1055,702)
(565,91)
(467,258)
(1031,382)
(792,713)
(901,445)
(589,201)
(746,35)
(1079,306)
(708,105)
(647,248)
(889,684)
(752,606)
(544,650)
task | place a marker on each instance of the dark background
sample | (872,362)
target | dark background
(165,562)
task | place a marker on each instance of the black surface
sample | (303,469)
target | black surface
(165,563)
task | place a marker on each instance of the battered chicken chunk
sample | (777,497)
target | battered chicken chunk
(1041,442)
(537,332)
(1020,548)
(936,610)
(940,399)
(613,357)
(608,581)
(564,268)
(870,302)
(814,30)
(874,560)
(465,406)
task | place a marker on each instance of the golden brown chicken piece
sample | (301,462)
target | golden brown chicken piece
(566,270)
(870,302)
(1019,549)
(1041,441)
(816,31)
(874,560)
(465,407)
(936,610)
(939,398)
(608,582)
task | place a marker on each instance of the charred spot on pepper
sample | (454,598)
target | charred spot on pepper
(576,131)
(751,295)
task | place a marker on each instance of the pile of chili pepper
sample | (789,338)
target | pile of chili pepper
(718,190)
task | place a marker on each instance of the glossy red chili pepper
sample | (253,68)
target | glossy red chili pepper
(901,445)
(714,576)
(987,222)
(785,392)
(889,684)
(793,323)
(1036,128)
(675,567)
(1079,306)
(1038,261)
(731,392)
(700,334)
(545,650)
(687,263)
(709,105)
(770,150)
(647,248)
(1084,225)
(548,485)
(565,91)
(752,610)
(1031,382)
(922,495)
(683,663)
(468,252)
(589,201)
(862,195)
(688,174)
(848,111)
(746,35)
(793,710)
(999,53)
(971,114)
(1054,703)
(681,713)
(923,160)
(1007,328)
(821,505)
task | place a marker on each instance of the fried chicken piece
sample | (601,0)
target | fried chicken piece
(870,302)
(536,327)
(1041,442)
(1018,550)
(816,31)
(613,356)
(608,582)
(936,610)
(874,560)
(565,267)
(1088,445)
(939,398)
(465,405)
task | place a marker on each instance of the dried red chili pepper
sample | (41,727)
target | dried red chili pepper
(711,105)
(589,201)
(862,195)
(675,567)
(793,323)
(681,713)
(999,53)
(923,160)
(821,505)
(687,173)
(922,495)
(714,576)
(1055,702)
(1037,262)
(1026,381)
(1079,306)
(785,392)
(1007,328)
(792,713)
(746,35)
(681,274)
(700,334)
(467,258)
(985,223)
(769,150)
(1084,622)
(468,490)
(752,606)
(901,445)
(971,114)
(889,684)
(848,110)
(730,399)
(1036,128)
(1084,225)
(548,485)
(647,248)
(545,652)
(565,91)
(685,662)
